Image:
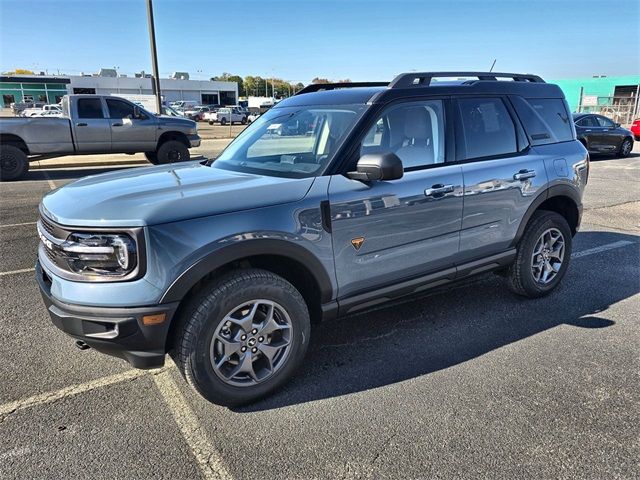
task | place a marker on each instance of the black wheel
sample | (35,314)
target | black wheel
(625,148)
(244,121)
(210,122)
(14,163)
(242,337)
(223,121)
(172,151)
(152,157)
(542,257)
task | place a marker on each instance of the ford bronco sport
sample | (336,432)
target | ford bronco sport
(338,198)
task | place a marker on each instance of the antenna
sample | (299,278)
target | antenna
(493,65)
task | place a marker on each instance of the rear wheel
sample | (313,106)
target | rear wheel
(242,337)
(14,163)
(152,157)
(542,256)
(172,151)
(626,147)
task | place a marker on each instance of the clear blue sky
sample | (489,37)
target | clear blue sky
(298,40)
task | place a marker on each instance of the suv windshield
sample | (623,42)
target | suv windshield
(293,142)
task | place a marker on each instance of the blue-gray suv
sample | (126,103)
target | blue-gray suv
(337,199)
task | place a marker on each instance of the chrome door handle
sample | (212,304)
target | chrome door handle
(81,124)
(116,124)
(524,174)
(438,189)
(588,130)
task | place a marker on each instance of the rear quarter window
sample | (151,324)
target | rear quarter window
(545,120)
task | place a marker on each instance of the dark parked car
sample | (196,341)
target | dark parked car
(602,135)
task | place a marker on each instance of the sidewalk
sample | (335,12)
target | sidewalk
(207,149)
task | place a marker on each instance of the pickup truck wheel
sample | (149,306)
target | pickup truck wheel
(244,121)
(172,151)
(542,256)
(14,163)
(242,337)
(152,157)
(223,121)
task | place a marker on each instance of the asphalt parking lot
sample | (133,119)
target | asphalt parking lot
(468,381)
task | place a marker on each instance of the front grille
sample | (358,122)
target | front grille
(46,225)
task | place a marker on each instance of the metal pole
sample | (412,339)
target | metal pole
(155,80)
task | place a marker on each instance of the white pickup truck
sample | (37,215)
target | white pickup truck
(226,115)
(36,112)
(93,124)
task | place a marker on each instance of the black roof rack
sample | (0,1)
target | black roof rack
(317,87)
(423,79)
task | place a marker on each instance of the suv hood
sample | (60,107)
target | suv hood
(166,193)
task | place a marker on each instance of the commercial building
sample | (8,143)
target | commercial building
(49,89)
(615,97)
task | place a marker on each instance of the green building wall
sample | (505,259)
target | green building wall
(602,87)
(41,92)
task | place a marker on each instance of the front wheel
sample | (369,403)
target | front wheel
(223,121)
(14,163)
(542,257)
(242,337)
(625,148)
(172,151)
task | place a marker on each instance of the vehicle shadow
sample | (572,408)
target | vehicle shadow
(598,157)
(450,326)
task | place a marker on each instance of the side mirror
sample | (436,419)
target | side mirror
(617,125)
(378,166)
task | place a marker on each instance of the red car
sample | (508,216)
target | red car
(635,129)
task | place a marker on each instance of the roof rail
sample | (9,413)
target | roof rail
(423,79)
(317,87)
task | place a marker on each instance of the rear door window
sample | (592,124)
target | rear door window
(90,108)
(488,128)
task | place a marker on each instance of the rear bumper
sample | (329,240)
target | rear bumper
(115,331)
(194,140)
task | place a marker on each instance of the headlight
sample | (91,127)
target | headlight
(90,256)
(100,254)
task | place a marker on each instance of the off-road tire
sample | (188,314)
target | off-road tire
(14,163)
(519,276)
(172,151)
(199,319)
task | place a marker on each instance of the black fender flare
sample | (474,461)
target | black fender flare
(554,191)
(249,248)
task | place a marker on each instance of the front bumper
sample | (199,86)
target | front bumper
(194,140)
(115,331)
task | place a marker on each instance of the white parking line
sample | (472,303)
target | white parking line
(54,395)
(14,272)
(52,185)
(207,456)
(17,224)
(602,248)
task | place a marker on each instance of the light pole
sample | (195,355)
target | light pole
(155,81)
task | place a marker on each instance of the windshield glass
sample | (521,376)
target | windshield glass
(293,142)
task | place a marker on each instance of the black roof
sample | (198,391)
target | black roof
(424,84)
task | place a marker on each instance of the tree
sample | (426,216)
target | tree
(19,71)
(320,80)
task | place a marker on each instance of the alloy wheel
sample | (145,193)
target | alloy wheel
(548,255)
(251,343)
